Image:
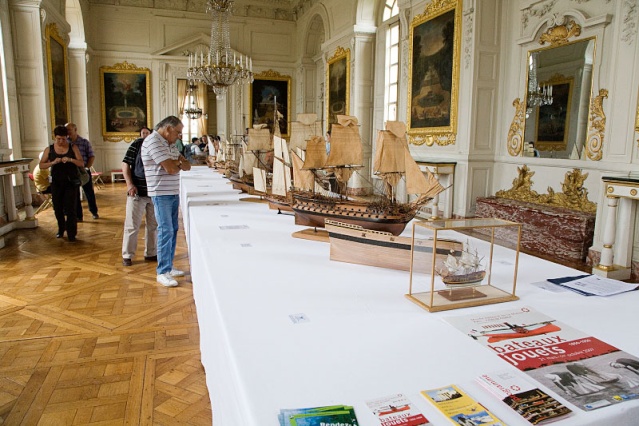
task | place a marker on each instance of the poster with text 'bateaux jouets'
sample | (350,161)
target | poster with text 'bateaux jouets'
(582,369)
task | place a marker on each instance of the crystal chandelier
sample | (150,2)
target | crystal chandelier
(193,112)
(537,95)
(222,67)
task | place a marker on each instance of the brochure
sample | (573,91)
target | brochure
(460,408)
(582,369)
(523,396)
(332,415)
(396,410)
(594,285)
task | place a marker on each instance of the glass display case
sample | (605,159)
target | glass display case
(469,267)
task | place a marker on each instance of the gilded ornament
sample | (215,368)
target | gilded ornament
(271,74)
(430,140)
(127,67)
(573,197)
(340,51)
(434,7)
(610,190)
(596,127)
(560,34)
(633,192)
(516,131)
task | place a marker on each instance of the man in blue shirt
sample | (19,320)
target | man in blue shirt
(88,156)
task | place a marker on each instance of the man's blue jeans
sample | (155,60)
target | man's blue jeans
(166,214)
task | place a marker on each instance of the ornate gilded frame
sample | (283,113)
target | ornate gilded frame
(125,95)
(432,106)
(338,85)
(559,35)
(58,76)
(266,84)
(562,102)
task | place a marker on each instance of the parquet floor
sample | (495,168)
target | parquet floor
(87,341)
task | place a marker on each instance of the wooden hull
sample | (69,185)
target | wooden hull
(354,244)
(278,203)
(311,212)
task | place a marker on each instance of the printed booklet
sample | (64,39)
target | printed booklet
(523,396)
(460,408)
(396,410)
(582,369)
(333,415)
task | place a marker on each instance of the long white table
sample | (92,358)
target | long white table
(362,339)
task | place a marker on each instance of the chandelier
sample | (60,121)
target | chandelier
(537,95)
(222,67)
(193,112)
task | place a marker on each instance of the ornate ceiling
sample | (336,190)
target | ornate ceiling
(288,10)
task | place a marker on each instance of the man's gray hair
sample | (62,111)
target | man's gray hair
(171,120)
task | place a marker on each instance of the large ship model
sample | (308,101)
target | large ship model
(306,127)
(393,163)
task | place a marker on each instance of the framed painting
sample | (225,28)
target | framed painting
(270,91)
(434,74)
(125,93)
(553,121)
(58,76)
(338,85)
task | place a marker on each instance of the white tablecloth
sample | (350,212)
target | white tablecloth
(363,338)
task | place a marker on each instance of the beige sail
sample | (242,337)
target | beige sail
(302,179)
(346,144)
(248,160)
(315,154)
(259,180)
(259,139)
(281,167)
(390,161)
(303,130)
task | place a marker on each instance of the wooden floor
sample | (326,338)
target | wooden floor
(87,341)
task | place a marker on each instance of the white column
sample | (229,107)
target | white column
(606,267)
(221,105)
(26,196)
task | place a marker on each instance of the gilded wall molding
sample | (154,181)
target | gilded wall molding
(516,131)
(271,74)
(430,140)
(559,35)
(573,196)
(596,126)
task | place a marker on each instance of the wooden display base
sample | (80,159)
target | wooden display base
(465,293)
(312,234)
(441,301)
(254,200)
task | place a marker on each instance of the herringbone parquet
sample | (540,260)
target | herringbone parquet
(87,341)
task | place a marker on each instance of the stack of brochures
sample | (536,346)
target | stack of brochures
(342,415)
(593,285)
(396,410)
(523,396)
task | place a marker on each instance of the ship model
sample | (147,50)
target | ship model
(464,269)
(354,244)
(393,163)
(254,156)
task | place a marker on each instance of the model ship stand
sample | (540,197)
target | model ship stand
(465,275)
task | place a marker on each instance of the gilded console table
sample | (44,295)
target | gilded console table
(8,168)
(622,193)
(444,170)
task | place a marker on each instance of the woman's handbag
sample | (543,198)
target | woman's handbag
(84,176)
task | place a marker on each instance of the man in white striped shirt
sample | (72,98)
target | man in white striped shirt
(162,165)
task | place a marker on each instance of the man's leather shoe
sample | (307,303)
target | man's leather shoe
(151,258)
(127,262)
(59,234)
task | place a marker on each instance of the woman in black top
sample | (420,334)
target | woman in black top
(64,160)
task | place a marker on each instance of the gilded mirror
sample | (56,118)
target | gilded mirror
(558,91)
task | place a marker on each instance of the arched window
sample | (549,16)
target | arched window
(390,9)
(391,21)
